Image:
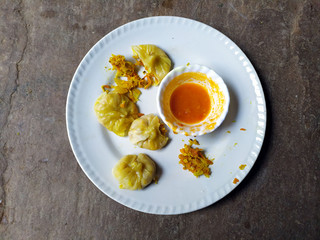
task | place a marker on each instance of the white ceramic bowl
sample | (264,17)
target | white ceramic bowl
(218,93)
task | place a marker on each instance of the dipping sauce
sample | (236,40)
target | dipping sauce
(190,103)
(192,100)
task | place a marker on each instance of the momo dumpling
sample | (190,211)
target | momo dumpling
(116,112)
(154,59)
(148,132)
(134,171)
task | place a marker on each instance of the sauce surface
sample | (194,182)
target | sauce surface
(190,103)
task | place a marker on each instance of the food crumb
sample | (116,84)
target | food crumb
(234,121)
(228,132)
(105,88)
(235,181)
(122,105)
(156,179)
(126,69)
(235,144)
(243,129)
(188,64)
(242,166)
(194,160)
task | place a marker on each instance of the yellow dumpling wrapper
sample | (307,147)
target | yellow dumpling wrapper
(134,171)
(145,132)
(116,112)
(154,59)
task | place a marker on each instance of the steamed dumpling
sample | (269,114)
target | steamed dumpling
(147,132)
(134,172)
(116,112)
(154,59)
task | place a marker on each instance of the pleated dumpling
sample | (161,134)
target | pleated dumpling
(148,132)
(116,112)
(154,59)
(134,172)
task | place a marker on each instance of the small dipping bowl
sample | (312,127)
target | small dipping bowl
(216,90)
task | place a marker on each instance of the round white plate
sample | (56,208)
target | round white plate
(178,191)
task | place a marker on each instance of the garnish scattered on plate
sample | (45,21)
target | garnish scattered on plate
(235,181)
(194,160)
(242,166)
(127,80)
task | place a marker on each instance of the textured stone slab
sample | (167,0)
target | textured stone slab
(45,195)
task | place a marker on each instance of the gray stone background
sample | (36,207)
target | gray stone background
(45,195)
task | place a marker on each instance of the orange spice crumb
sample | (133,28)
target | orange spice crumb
(242,166)
(138,62)
(122,105)
(105,88)
(194,160)
(127,79)
(243,129)
(162,128)
(235,181)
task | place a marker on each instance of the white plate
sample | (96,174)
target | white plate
(178,191)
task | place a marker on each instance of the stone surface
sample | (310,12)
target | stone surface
(45,195)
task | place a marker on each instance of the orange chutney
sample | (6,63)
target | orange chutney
(190,103)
